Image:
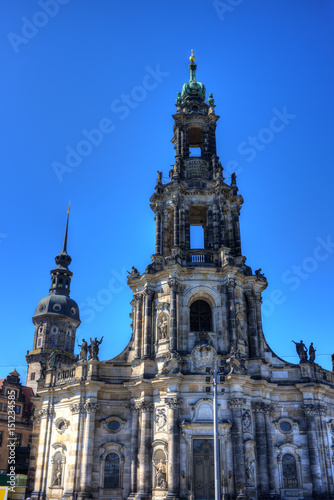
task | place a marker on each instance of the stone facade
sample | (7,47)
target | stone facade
(141,425)
(15,424)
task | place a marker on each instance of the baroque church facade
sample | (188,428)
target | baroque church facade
(141,424)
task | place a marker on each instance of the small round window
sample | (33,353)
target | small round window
(57,307)
(113,425)
(73,311)
(285,426)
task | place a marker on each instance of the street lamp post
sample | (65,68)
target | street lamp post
(215,435)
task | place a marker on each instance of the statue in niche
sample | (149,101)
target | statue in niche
(240,332)
(250,471)
(161,474)
(163,327)
(94,349)
(83,350)
(57,475)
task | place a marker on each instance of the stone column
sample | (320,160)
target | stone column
(261,448)
(216,238)
(42,463)
(145,465)
(75,453)
(230,288)
(173,285)
(209,226)
(139,330)
(182,229)
(222,242)
(134,448)
(310,411)
(173,475)
(270,450)
(158,233)
(239,466)
(187,228)
(148,293)
(185,143)
(326,447)
(178,145)
(252,333)
(87,450)
(176,238)
(46,413)
(236,231)
(258,302)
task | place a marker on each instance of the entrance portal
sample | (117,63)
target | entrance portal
(204,482)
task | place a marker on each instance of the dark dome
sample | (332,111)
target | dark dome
(57,304)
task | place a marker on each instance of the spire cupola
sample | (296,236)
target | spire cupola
(193,90)
(61,275)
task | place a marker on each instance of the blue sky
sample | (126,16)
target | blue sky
(71,67)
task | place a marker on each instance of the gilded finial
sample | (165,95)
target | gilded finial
(192,57)
(69,208)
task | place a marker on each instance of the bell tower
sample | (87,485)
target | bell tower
(193,293)
(56,319)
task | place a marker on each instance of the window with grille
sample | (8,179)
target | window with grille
(200,316)
(111,471)
(290,479)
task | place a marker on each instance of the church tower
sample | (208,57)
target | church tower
(139,426)
(211,289)
(56,319)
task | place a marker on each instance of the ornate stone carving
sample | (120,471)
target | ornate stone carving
(261,406)
(230,282)
(236,403)
(145,406)
(315,409)
(91,407)
(77,408)
(173,283)
(45,412)
(250,471)
(61,425)
(93,349)
(246,421)
(162,326)
(57,474)
(160,419)
(161,474)
(173,403)
(203,356)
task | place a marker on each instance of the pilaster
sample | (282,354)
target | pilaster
(173,404)
(173,285)
(235,405)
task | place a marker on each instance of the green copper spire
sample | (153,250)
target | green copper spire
(193,89)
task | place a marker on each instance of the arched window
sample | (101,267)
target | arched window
(111,471)
(200,316)
(289,468)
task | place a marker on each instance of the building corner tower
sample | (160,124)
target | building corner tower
(56,319)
